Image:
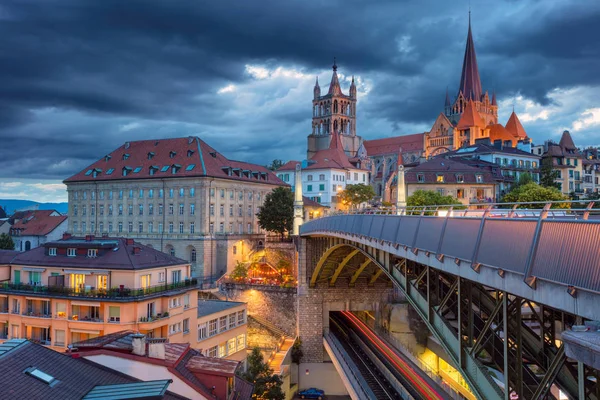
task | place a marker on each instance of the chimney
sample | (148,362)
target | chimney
(136,250)
(138,341)
(156,348)
(66,236)
(129,242)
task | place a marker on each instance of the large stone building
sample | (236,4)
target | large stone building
(472,115)
(178,195)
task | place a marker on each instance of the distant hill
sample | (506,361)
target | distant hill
(11,205)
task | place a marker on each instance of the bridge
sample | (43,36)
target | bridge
(496,287)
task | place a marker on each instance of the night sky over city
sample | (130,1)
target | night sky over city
(79,78)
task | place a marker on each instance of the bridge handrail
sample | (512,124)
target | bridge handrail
(578,209)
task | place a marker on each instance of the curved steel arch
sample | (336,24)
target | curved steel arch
(355,250)
(481,391)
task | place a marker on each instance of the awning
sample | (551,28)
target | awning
(84,331)
(86,271)
(85,304)
(36,298)
(38,326)
(33,269)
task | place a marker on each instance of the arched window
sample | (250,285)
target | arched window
(335,106)
(193,255)
(335,125)
(27,245)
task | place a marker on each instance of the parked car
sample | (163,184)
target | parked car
(312,393)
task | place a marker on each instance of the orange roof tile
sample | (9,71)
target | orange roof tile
(391,145)
(470,118)
(514,126)
(498,132)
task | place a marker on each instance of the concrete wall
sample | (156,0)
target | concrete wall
(322,375)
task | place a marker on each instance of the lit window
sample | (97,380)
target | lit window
(440,178)
(479,178)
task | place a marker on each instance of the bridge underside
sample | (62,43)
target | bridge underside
(494,338)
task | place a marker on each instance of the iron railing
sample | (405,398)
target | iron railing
(119,293)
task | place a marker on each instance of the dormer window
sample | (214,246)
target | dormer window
(152,170)
(421,178)
(52,251)
(107,158)
(95,173)
(71,252)
(125,156)
(190,153)
(150,155)
(460,178)
(172,154)
(92,253)
(213,154)
(175,168)
(478,178)
(126,171)
(439,178)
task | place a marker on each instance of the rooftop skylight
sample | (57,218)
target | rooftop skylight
(165,168)
(137,169)
(110,171)
(41,375)
(190,167)
(88,172)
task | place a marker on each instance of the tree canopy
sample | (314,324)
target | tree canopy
(275,164)
(532,192)
(240,272)
(277,212)
(548,174)
(356,194)
(429,198)
(267,386)
(6,242)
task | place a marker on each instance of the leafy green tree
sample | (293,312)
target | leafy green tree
(275,165)
(267,386)
(532,192)
(422,198)
(548,175)
(6,242)
(524,179)
(240,272)
(354,195)
(277,212)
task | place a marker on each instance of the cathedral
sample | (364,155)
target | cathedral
(333,113)
(473,114)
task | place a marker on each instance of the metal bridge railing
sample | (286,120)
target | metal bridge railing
(562,209)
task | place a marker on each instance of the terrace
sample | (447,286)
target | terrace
(120,293)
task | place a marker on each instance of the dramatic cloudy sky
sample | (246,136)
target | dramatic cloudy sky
(78,78)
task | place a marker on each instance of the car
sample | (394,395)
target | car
(312,393)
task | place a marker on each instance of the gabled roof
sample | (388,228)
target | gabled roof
(311,203)
(470,117)
(288,166)
(6,256)
(74,377)
(391,145)
(514,127)
(191,157)
(113,253)
(448,168)
(38,222)
(470,82)
(498,132)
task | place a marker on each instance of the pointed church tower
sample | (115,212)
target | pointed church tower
(470,82)
(335,112)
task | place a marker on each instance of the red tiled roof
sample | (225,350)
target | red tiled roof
(289,166)
(6,256)
(498,132)
(470,118)
(38,222)
(514,127)
(333,157)
(113,253)
(311,203)
(391,145)
(191,155)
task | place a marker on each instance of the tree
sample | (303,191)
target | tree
(276,164)
(240,272)
(548,175)
(6,242)
(532,192)
(356,194)
(524,179)
(422,198)
(277,212)
(267,386)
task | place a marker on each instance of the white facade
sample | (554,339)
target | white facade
(27,242)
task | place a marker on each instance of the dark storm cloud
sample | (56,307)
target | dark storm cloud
(79,77)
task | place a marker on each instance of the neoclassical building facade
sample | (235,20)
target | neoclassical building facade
(178,195)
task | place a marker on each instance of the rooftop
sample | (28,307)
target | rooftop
(171,158)
(113,254)
(207,307)
(391,145)
(37,222)
(481,148)
(60,376)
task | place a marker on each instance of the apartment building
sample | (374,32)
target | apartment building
(179,195)
(222,327)
(567,160)
(78,288)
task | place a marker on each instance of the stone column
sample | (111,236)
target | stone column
(298,203)
(401,185)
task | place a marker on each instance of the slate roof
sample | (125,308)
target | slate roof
(207,307)
(6,256)
(481,148)
(470,82)
(449,169)
(38,222)
(192,156)
(76,376)
(391,145)
(113,253)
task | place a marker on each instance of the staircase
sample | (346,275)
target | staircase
(284,345)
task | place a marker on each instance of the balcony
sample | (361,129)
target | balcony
(114,294)
(36,315)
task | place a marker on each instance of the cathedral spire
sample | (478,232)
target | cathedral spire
(353,88)
(334,86)
(447,104)
(494,102)
(470,82)
(317,89)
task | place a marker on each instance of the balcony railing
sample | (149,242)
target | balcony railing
(119,293)
(36,315)
(84,318)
